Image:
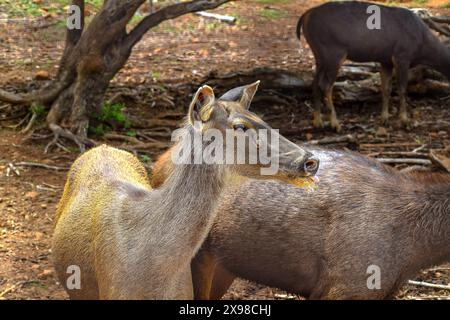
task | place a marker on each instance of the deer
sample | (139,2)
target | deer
(128,240)
(337,31)
(325,242)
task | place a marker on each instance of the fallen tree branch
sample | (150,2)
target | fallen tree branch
(406,154)
(415,168)
(40,165)
(389,145)
(429,285)
(425,162)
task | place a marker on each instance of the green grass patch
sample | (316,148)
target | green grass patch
(145,158)
(38,110)
(419,2)
(111,117)
(155,75)
(271,14)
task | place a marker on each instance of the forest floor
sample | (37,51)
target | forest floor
(154,85)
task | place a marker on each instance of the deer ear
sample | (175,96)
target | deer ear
(248,94)
(203,97)
(244,95)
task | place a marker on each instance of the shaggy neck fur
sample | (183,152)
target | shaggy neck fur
(188,199)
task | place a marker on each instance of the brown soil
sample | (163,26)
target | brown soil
(177,52)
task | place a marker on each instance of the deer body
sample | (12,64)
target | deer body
(337,31)
(321,244)
(130,241)
(118,227)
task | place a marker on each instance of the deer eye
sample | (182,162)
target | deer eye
(240,126)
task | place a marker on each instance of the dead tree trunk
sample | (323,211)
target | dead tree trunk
(93,55)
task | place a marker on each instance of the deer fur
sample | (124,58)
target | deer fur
(134,242)
(320,243)
(337,31)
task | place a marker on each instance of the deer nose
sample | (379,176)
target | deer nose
(311,165)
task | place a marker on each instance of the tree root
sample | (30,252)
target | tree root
(81,141)
(30,123)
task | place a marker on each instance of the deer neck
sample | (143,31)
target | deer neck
(427,224)
(437,56)
(189,196)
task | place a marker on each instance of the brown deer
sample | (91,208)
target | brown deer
(321,243)
(337,31)
(132,242)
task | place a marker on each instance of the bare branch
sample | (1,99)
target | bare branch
(169,12)
(43,96)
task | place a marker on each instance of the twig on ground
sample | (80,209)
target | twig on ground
(116,136)
(42,188)
(405,154)
(40,165)
(389,145)
(13,117)
(10,167)
(422,147)
(428,285)
(30,123)
(21,122)
(329,140)
(12,288)
(428,297)
(146,137)
(415,168)
(424,162)
(438,269)
(5,106)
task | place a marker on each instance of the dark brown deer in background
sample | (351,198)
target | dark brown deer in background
(337,31)
(321,243)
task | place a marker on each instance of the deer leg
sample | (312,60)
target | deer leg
(223,279)
(334,122)
(317,100)
(203,266)
(402,80)
(326,83)
(386,89)
(211,281)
